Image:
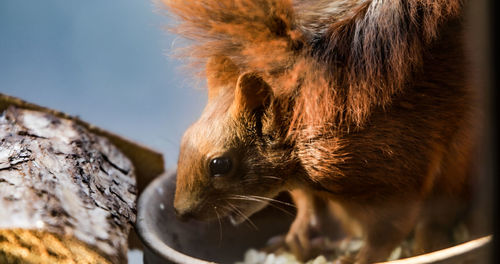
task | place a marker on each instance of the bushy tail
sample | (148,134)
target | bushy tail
(354,54)
(254,34)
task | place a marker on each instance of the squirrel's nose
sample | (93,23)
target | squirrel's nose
(183,215)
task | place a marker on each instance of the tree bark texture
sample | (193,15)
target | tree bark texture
(66,195)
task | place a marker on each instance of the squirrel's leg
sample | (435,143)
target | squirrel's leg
(435,230)
(448,204)
(313,223)
(385,228)
(305,224)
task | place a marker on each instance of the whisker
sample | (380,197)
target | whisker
(281,209)
(262,198)
(271,177)
(244,198)
(251,180)
(243,215)
(220,225)
(262,201)
(273,200)
(227,208)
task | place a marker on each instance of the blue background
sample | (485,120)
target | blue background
(108,62)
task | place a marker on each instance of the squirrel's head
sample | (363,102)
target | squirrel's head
(229,165)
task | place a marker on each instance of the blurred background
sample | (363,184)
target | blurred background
(108,62)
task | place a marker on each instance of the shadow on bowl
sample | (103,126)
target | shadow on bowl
(168,240)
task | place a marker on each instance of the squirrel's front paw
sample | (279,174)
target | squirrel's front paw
(305,241)
(298,244)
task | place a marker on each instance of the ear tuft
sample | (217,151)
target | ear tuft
(221,72)
(251,93)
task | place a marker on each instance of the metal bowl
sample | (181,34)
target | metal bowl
(168,240)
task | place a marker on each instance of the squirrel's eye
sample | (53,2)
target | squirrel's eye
(220,166)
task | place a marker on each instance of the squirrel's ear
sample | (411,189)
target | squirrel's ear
(221,72)
(251,93)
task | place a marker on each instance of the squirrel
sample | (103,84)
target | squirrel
(367,104)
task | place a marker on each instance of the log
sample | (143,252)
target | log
(148,163)
(66,195)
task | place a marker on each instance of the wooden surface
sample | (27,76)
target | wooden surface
(67,184)
(31,246)
(148,163)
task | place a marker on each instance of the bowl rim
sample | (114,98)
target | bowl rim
(150,239)
(156,245)
(446,253)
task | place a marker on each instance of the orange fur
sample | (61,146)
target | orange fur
(365,103)
(357,57)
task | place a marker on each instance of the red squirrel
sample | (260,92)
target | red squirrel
(365,103)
